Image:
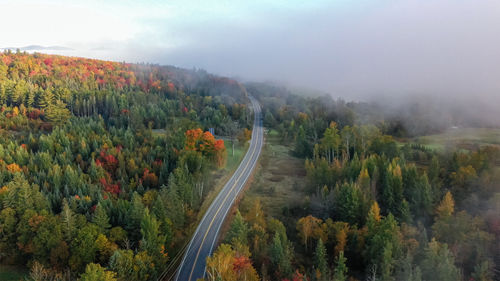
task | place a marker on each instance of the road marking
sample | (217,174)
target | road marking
(218,229)
(238,170)
(220,207)
(218,210)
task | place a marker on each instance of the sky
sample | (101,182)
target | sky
(350,48)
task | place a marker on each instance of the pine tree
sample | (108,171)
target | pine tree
(280,256)
(439,263)
(340,270)
(320,261)
(45,99)
(68,219)
(404,212)
(57,113)
(238,231)
(101,219)
(152,241)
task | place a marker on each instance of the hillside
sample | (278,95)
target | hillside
(85,182)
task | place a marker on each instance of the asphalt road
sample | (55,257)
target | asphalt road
(203,241)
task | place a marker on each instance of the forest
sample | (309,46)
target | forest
(103,165)
(104,168)
(374,206)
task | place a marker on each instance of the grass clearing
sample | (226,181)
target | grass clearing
(461,138)
(12,273)
(279,180)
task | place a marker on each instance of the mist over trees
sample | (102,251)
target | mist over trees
(373,208)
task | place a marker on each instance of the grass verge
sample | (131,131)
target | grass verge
(12,273)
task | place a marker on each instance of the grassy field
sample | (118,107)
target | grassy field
(279,179)
(12,273)
(463,138)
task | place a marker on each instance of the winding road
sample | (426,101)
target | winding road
(203,241)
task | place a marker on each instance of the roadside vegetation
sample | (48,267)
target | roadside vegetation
(367,205)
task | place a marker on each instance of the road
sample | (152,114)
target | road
(203,241)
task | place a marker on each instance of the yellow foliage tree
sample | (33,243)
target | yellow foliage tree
(310,227)
(446,207)
(227,264)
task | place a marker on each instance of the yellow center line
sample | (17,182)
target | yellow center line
(218,210)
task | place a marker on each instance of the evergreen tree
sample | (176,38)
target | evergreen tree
(101,219)
(280,257)
(68,219)
(46,99)
(57,113)
(152,241)
(340,270)
(238,231)
(320,261)
(438,263)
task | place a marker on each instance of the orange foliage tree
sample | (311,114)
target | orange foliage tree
(205,143)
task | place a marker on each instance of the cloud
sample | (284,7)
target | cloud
(355,49)
(396,48)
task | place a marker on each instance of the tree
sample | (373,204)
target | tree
(122,262)
(340,270)
(349,203)
(483,272)
(330,142)
(152,241)
(238,231)
(83,248)
(280,256)
(101,219)
(320,261)
(255,215)
(105,248)
(8,222)
(392,190)
(45,99)
(347,136)
(48,236)
(231,128)
(227,264)
(57,113)
(94,272)
(446,207)
(438,263)
(382,243)
(309,226)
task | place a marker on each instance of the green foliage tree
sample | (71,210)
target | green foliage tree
(320,261)
(280,256)
(100,219)
(153,242)
(83,247)
(340,269)
(438,263)
(238,231)
(57,113)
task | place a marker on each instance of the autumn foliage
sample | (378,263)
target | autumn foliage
(205,143)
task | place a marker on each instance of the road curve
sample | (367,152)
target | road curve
(203,241)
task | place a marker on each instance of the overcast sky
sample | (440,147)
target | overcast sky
(349,48)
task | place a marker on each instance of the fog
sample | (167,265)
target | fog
(392,48)
(359,50)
